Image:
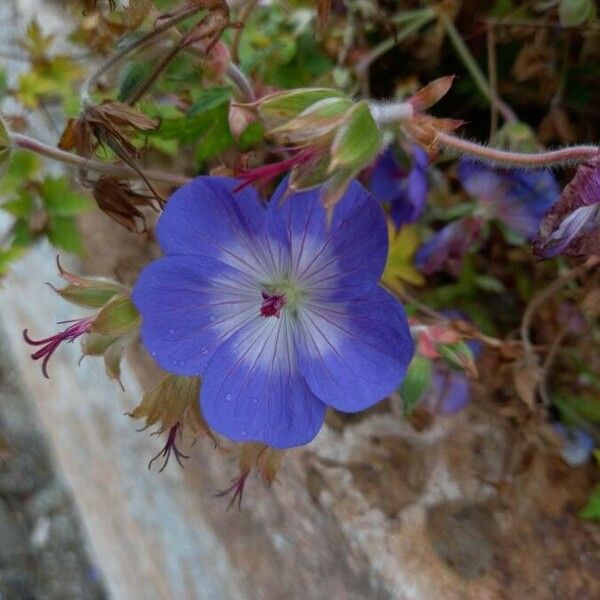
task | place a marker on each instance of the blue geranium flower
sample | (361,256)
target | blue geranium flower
(405,191)
(278,310)
(519,199)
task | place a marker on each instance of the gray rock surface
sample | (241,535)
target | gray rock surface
(42,550)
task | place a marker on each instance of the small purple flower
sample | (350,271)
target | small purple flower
(573,225)
(447,248)
(406,192)
(279,311)
(519,199)
(449,391)
(578,444)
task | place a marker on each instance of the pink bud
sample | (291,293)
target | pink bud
(239,119)
(217,60)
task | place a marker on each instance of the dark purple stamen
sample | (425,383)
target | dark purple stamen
(272,304)
(237,488)
(50,344)
(170,448)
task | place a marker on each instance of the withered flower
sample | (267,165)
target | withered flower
(253,456)
(111,123)
(122,204)
(173,407)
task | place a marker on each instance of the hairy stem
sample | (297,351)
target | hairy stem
(390,113)
(32,145)
(561,156)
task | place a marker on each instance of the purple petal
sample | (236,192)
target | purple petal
(387,179)
(206,218)
(578,444)
(252,389)
(448,392)
(189,306)
(484,183)
(517,198)
(405,192)
(354,354)
(447,247)
(336,261)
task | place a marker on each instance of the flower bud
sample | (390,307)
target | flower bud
(239,119)
(118,317)
(89,293)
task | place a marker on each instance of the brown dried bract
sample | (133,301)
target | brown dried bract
(110,123)
(122,204)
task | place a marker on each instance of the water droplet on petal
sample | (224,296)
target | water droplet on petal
(255,401)
(171,331)
(228,396)
(205,351)
(244,433)
(212,318)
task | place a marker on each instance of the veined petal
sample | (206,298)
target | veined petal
(253,390)
(336,261)
(354,353)
(189,306)
(206,218)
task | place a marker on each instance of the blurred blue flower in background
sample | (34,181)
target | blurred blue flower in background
(578,444)
(518,199)
(405,190)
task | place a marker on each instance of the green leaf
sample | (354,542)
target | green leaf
(21,169)
(591,511)
(132,79)
(22,237)
(209,99)
(63,234)
(61,200)
(217,138)
(4,149)
(416,383)
(574,408)
(573,13)
(7,257)
(118,317)
(21,206)
(252,136)
(357,141)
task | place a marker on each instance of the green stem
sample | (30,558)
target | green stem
(415,20)
(471,65)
